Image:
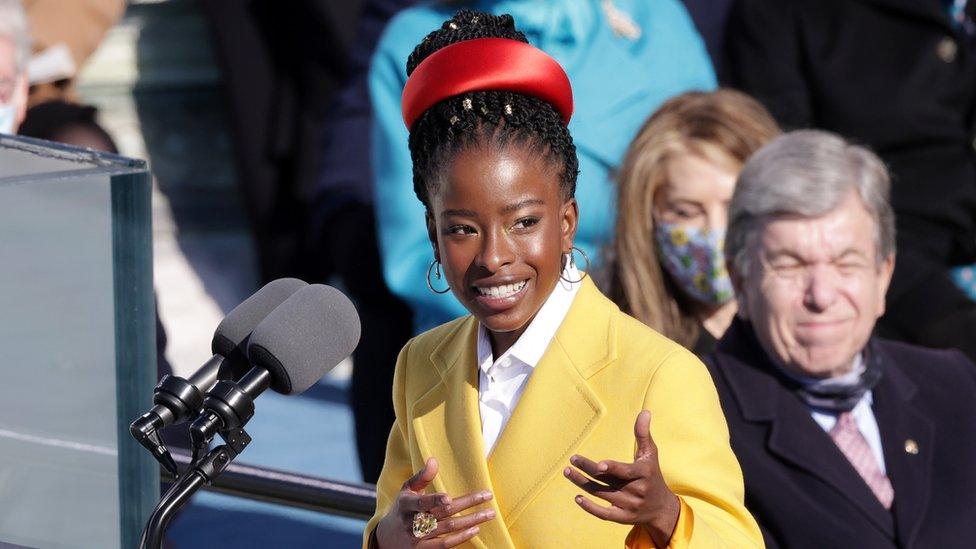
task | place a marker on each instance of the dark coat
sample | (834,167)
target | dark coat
(711,18)
(343,227)
(801,488)
(280,65)
(898,76)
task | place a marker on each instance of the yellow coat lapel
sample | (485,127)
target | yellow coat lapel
(448,426)
(557,410)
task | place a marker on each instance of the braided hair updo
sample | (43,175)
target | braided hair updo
(495,117)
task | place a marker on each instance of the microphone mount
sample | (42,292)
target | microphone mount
(173,398)
(146,431)
(227,407)
(178,396)
(201,472)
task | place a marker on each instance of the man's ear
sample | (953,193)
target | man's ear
(737,283)
(885,270)
(570,222)
(432,234)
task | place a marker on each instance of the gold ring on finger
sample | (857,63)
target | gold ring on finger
(423,524)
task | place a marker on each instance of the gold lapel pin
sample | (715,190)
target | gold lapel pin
(911,447)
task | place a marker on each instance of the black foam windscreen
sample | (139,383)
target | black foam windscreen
(230,338)
(305,337)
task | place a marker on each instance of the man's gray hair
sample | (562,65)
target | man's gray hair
(14,28)
(807,173)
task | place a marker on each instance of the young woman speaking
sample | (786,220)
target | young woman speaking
(546,418)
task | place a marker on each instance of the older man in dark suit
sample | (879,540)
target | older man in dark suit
(845,440)
(899,76)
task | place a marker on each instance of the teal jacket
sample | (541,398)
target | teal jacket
(617,83)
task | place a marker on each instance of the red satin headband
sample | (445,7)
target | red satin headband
(486,64)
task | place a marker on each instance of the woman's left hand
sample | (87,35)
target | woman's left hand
(636,491)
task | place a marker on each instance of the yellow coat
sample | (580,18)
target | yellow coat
(601,369)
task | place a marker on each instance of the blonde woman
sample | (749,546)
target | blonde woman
(666,265)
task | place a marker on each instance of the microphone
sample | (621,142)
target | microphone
(177,399)
(298,343)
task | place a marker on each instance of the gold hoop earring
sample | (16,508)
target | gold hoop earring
(572,262)
(437,275)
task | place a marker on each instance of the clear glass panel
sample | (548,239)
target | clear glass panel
(76,333)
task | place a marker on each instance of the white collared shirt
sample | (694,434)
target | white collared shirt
(862,412)
(866,424)
(502,381)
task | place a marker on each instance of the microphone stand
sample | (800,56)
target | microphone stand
(200,473)
(227,407)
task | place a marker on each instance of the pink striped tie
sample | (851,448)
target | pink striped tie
(852,443)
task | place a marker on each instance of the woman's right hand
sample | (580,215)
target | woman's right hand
(395,530)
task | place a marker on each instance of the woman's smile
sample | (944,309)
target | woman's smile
(499,297)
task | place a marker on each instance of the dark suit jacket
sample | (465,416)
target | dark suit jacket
(711,18)
(281,62)
(343,233)
(801,488)
(898,76)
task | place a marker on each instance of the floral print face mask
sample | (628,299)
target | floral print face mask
(696,261)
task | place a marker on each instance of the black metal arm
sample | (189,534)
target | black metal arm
(291,489)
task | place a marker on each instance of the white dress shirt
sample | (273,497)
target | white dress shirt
(866,424)
(502,381)
(863,417)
